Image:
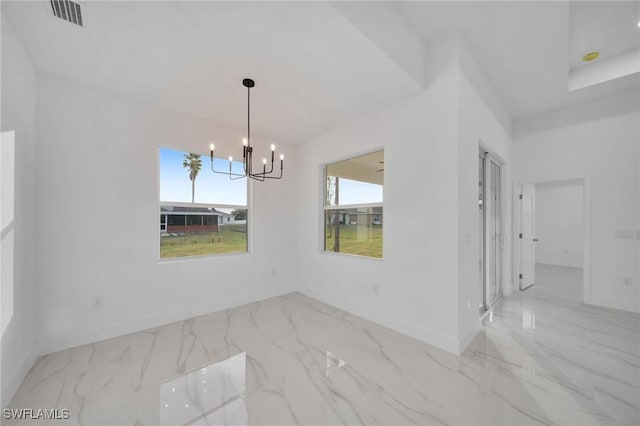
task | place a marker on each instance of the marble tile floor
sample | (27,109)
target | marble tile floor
(541,358)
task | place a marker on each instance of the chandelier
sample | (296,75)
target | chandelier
(247,150)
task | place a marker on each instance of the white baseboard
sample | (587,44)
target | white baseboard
(17,376)
(468,338)
(72,339)
(628,305)
(407,328)
(558,263)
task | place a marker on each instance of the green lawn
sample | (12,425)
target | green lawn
(230,239)
(357,239)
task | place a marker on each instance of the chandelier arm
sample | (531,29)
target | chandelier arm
(281,172)
(265,173)
(250,162)
(273,153)
(274,177)
(257,177)
(225,173)
(270,170)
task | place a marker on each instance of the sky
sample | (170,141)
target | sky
(214,188)
(356,192)
(211,188)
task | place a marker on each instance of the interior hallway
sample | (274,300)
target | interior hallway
(589,354)
(542,358)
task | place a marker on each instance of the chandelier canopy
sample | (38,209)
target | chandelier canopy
(247,151)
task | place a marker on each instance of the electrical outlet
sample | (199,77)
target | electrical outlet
(98,301)
(376,289)
(627,281)
(626,235)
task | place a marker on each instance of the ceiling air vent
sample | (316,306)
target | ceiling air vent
(68,10)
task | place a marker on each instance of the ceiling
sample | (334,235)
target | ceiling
(524,47)
(314,69)
(610,28)
(364,168)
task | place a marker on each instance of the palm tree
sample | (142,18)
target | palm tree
(194,164)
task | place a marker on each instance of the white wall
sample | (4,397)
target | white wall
(480,125)
(428,279)
(97,181)
(559,224)
(19,114)
(417,278)
(606,150)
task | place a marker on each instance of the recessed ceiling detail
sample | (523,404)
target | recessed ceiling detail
(608,31)
(526,48)
(591,56)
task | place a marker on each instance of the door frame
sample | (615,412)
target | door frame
(587,290)
(520,232)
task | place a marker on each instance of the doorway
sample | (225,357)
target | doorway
(552,237)
(491,232)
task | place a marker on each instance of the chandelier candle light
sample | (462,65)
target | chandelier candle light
(247,150)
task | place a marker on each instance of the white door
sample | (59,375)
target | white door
(527,236)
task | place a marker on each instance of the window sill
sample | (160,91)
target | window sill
(355,256)
(165,260)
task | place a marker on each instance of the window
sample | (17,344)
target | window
(193,204)
(194,220)
(175,219)
(353,210)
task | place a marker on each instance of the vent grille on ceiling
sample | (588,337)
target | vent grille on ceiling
(68,10)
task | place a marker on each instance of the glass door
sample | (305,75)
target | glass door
(481,208)
(491,229)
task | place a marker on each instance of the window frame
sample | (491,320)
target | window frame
(249,189)
(325,208)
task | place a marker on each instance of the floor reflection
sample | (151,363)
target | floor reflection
(332,361)
(528,320)
(212,394)
(543,357)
